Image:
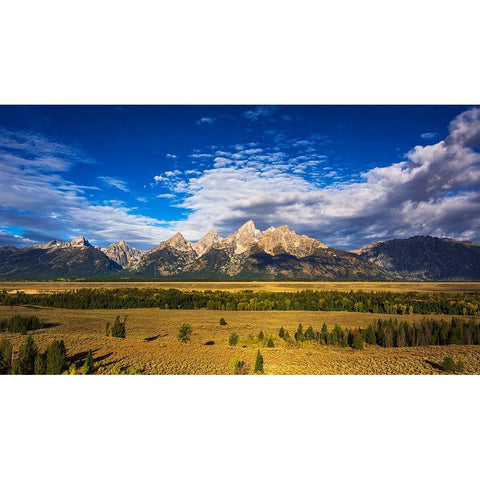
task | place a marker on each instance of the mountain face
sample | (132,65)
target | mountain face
(276,253)
(122,253)
(426,258)
(55,259)
(168,258)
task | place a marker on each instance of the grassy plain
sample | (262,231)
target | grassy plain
(152,343)
(56,286)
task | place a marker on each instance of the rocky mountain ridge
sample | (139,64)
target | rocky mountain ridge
(276,253)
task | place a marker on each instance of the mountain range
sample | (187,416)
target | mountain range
(276,253)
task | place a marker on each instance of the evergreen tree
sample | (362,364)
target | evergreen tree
(88,368)
(25,364)
(287,335)
(56,361)
(357,341)
(370,336)
(40,366)
(448,364)
(233,339)
(118,329)
(222,321)
(324,333)
(299,337)
(270,343)
(261,336)
(5,356)
(107,329)
(309,335)
(258,363)
(281,332)
(184,333)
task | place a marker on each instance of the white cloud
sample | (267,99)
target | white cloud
(206,121)
(428,135)
(170,155)
(260,112)
(115,182)
(434,191)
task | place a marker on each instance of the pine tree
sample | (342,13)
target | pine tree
(357,341)
(309,335)
(184,333)
(258,363)
(222,321)
(118,329)
(56,361)
(270,343)
(370,336)
(40,366)
(25,362)
(261,336)
(5,356)
(88,368)
(281,332)
(299,337)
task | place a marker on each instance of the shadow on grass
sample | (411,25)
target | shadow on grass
(79,358)
(151,339)
(51,325)
(435,365)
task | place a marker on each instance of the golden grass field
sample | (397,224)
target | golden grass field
(162,353)
(51,287)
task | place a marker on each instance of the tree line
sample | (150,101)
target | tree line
(395,303)
(394,333)
(31,361)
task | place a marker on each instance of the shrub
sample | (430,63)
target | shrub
(5,356)
(233,339)
(258,363)
(287,335)
(118,329)
(88,368)
(270,343)
(23,323)
(185,333)
(222,321)
(209,342)
(281,332)
(261,336)
(460,367)
(239,366)
(448,364)
(56,358)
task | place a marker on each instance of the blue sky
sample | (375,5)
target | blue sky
(346,175)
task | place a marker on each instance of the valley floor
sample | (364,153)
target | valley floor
(151,344)
(427,287)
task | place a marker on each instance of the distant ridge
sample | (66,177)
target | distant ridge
(276,253)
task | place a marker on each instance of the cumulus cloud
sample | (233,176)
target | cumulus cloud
(432,191)
(39,201)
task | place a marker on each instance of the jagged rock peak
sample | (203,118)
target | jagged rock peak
(281,239)
(176,242)
(211,238)
(246,236)
(80,241)
(122,253)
